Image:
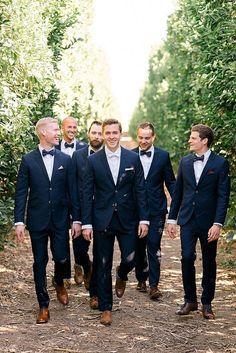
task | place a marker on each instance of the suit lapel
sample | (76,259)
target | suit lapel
(122,164)
(106,165)
(191,169)
(209,165)
(56,164)
(154,163)
(39,161)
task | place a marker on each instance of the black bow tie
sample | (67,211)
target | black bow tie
(196,158)
(45,152)
(91,152)
(147,153)
(71,145)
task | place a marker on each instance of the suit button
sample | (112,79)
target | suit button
(50,189)
(193,203)
(196,192)
(49,201)
(116,191)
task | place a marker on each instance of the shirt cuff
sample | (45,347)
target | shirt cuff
(77,222)
(171,221)
(19,224)
(144,222)
(218,224)
(87,226)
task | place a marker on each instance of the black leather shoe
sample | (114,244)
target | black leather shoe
(186,308)
(207,312)
(142,287)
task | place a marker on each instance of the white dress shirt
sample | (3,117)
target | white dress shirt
(199,165)
(48,161)
(146,161)
(113,159)
(68,150)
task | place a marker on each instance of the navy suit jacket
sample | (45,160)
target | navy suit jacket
(79,162)
(206,201)
(101,196)
(47,200)
(79,145)
(160,173)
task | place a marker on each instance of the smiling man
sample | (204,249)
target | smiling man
(114,205)
(46,186)
(199,203)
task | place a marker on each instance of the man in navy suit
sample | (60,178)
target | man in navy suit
(158,173)
(69,144)
(114,205)
(199,202)
(80,245)
(47,186)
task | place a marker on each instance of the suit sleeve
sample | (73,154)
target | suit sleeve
(73,193)
(87,194)
(177,195)
(223,191)
(21,193)
(169,176)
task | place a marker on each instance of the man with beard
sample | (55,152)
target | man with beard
(80,245)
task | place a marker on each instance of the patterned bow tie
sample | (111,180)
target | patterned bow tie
(196,158)
(71,145)
(45,152)
(91,152)
(147,153)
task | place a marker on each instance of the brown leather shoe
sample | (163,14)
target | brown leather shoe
(43,316)
(186,308)
(78,276)
(93,303)
(155,293)
(62,295)
(207,312)
(120,285)
(106,318)
(87,277)
(142,287)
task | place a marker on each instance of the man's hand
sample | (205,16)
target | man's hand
(214,233)
(87,233)
(172,230)
(75,230)
(142,230)
(20,232)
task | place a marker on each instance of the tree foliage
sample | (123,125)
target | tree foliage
(45,48)
(196,67)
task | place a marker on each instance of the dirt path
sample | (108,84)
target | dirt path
(139,324)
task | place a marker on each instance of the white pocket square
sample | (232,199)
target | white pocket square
(127,169)
(61,167)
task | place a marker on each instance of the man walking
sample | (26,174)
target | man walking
(199,203)
(114,205)
(47,186)
(81,245)
(158,174)
(68,145)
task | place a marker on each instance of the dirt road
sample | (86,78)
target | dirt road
(139,324)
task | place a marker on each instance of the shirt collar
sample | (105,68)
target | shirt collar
(110,153)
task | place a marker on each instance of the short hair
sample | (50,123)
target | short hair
(95,122)
(67,118)
(147,125)
(111,122)
(42,124)
(204,132)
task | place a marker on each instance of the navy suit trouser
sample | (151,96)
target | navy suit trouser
(59,247)
(104,241)
(152,242)
(190,233)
